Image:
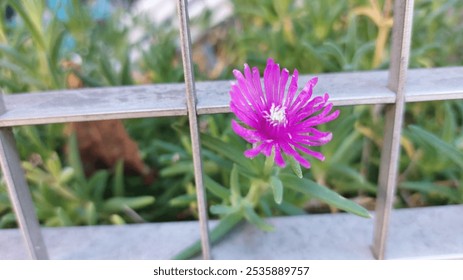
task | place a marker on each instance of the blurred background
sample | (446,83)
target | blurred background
(140,170)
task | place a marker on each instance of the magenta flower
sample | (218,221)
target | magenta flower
(276,119)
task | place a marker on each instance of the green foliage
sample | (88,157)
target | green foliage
(436,40)
(64,196)
(312,36)
(443,181)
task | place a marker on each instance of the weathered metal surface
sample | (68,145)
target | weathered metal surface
(161,100)
(19,193)
(390,153)
(350,88)
(434,84)
(430,232)
(94,104)
(169,99)
(185,39)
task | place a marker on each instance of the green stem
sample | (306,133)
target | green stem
(268,165)
(254,193)
(225,225)
(260,186)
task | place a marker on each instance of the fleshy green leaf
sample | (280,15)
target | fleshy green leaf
(324,194)
(107,70)
(18,58)
(66,175)
(295,166)
(235,185)
(8,219)
(265,208)
(126,75)
(30,19)
(222,209)
(442,147)
(216,188)
(91,216)
(225,225)
(74,159)
(63,217)
(290,209)
(97,184)
(118,183)
(228,151)
(277,188)
(353,177)
(117,220)
(430,188)
(256,220)
(117,204)
(182,200)
(179,168)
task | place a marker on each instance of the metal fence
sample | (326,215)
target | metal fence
(393,88)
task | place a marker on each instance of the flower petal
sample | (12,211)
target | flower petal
(304,98)
(258,85)
(278,157)
(292,89)
(244,116)
(291,152)
(315,154)
(247,90)
(253,152)
(249,135)
(283,81)
(276,119)
(269,82)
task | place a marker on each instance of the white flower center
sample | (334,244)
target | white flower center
(276,115)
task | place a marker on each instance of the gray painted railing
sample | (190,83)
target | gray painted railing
(393,88)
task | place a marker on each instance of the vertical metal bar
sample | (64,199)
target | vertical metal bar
(19,193)
(401,37)
(182,9)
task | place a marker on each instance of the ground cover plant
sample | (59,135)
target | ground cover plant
(71,185)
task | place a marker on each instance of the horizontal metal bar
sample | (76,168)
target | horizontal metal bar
(355,88)
(350,88)
(94,104)
(434,84)
(425,232)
